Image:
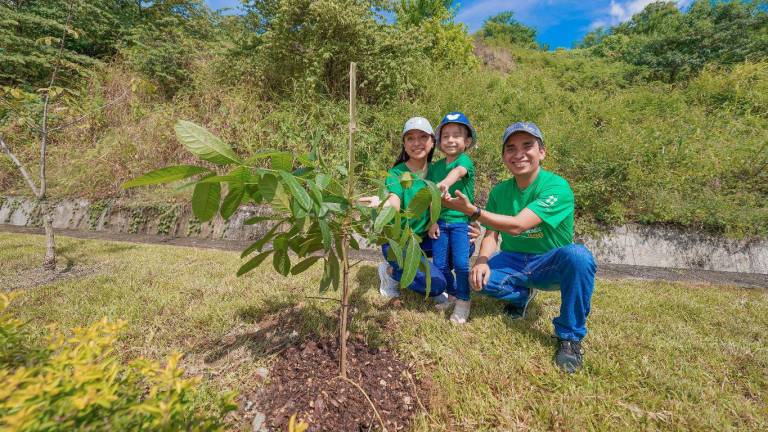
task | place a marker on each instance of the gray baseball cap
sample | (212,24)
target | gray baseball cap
(417,123)
(527,127)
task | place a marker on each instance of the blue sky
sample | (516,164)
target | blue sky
(558,23)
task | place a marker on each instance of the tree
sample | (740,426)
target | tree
(414,12)
(503,27)
(314,215)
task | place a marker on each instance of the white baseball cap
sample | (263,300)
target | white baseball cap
(417,123)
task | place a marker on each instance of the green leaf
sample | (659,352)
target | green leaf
(406,180)
(165,175)
(280,243)
(334,271)
(386,215)
(282,161)
(424,266)
(259,244)
(267,187)
(298,192)
(281,262)
(420,202)
(253,263)
(204,144)
(412,258)
(232,201)
(436,204)
(317,194)
(281,200)
(397,252)
(256,219)
(307,263)
(205,200)
(325,230)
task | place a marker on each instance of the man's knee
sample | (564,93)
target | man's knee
(577,256)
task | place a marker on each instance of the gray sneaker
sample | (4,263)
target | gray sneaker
(389,288)
(460,314)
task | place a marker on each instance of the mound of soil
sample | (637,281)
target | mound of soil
(304,381)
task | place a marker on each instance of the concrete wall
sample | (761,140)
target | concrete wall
(631,244)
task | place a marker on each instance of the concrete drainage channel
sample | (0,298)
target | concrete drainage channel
(628,251)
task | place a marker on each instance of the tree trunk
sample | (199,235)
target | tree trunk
(344,312)
(49,262)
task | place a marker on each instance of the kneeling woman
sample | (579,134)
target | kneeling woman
(418,142)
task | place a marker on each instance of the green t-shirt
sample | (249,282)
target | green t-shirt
(551,198)
(440,169)
(419,224)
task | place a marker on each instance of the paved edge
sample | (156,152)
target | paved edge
(605,270)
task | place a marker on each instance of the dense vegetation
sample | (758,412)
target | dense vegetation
(659,120)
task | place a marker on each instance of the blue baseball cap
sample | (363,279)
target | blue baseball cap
(456,117)
(527,127)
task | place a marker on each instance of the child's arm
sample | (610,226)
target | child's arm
(452,177)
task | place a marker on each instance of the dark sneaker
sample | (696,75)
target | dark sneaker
(569,356)
(518,312)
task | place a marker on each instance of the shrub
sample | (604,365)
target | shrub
(78,383)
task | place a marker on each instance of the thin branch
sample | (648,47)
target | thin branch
(46,103)
(88,114)
(355,263)
(384,428)
(19,165)
(323,298)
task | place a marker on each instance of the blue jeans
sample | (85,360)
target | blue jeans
(419,283)
(451,250)
(569,269)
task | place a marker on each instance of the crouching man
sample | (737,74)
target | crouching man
(531,214)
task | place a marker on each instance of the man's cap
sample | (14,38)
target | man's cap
(460,118)
(417,123)
(528,127)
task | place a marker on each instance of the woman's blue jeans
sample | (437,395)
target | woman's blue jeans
(419,283)
(452,250)
(569,269)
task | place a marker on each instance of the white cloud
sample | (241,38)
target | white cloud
(621,11)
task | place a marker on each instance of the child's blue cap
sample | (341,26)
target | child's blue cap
(527,127)
(460,118)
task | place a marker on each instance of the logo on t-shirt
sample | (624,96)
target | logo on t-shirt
(548,201)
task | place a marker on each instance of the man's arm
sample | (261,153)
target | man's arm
(513,225)
(480,272)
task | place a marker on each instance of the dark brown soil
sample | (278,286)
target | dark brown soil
(305,381)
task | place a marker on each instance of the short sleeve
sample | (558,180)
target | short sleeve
(554,203)
(392,183)
(492,206)
(463,161)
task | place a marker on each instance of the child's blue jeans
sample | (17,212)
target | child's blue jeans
(569,269)
(419,283)
(451,250)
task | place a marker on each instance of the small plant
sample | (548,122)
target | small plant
(95,211)
(194,226)
(167,219)
(78,383)
(315,214)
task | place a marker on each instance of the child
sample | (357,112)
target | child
(451,244)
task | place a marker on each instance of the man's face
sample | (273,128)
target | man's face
(522,154)
(417,144)
(454,139)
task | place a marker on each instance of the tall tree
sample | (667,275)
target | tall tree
(503,27)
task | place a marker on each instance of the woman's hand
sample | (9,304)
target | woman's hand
(370,201)
(434,231)
(474,231)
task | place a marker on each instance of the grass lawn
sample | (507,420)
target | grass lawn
(665,356)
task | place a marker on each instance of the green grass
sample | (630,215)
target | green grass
(659,356)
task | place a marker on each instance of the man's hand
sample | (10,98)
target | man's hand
(479,275)
(460,203)
(434,231)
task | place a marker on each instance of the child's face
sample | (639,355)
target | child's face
(454,139)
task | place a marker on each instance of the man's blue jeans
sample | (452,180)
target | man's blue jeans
(419,283)
(570,269)
(451,250)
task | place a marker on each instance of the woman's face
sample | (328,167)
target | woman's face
(418,144)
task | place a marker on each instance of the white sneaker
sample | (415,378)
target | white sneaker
(389,286)
(460,314)
(446,304)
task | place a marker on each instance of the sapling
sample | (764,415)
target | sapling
(314,213)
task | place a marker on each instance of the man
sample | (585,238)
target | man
(532,215)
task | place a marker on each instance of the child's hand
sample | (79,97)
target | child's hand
(443,189)
(434,231)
